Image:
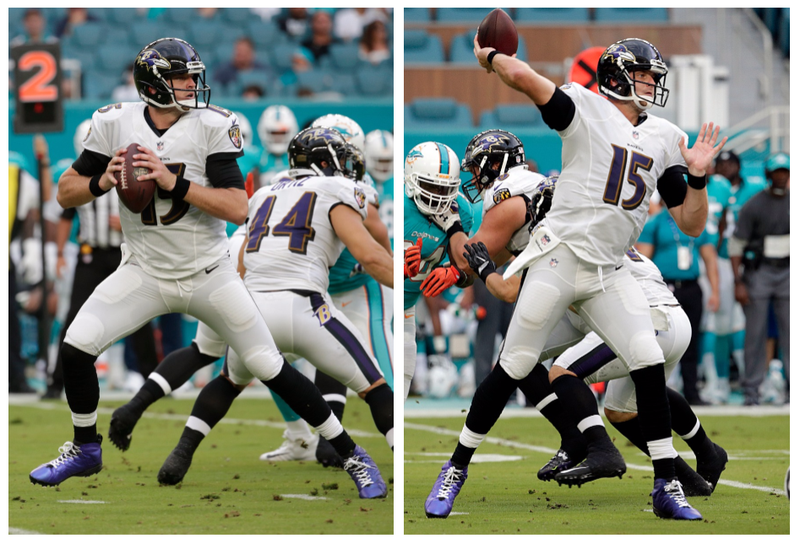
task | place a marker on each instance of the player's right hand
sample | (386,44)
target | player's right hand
(482,54)
(412,259)
(477,255)
(108,181)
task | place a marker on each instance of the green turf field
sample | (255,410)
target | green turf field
(228,490)
(503,496)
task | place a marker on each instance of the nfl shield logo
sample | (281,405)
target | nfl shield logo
(553,263)
(545,240)
(160,146)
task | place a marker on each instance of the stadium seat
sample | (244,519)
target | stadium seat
(509,116)
(180,16)
(264,34)
(551,15)
(461,49)
(375,81)
(345,83)
(90,34)
(314,81)
(248,78)
(463,15)
(142,32)
(282,56)
(631,15)
(237,16)
(421,47)
(417,15)
(205,33)
(123,16)
(437,113)
(343,56)
(115,58)
(99,85)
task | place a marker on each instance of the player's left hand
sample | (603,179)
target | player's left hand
(439,280)
(160,173)
(698,158)
(478,258)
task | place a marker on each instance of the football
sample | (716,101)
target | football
(497,30)
(134,194)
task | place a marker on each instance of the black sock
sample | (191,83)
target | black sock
(190,439)
(147,395)
(536,387)
(300,394)
(488,403)
(215,400)
(683,422)
(654,412)
(82,389)
(331,389)
(381,403)
(579,403)
(343,445)
(632,430)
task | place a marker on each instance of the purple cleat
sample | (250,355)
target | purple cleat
(669,501)
(83,460)
(440,502)
(364,472)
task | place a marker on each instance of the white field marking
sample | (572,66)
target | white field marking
(78,501)
(411,412)
(477,458)
(304,497)
(184,417)
(16,531)
(540,449)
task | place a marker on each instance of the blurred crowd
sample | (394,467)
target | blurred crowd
(249,53)
(732,280)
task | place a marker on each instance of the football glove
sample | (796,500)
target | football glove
(412,258)
(541,201)
(477,257)
(449,221)
(441,279)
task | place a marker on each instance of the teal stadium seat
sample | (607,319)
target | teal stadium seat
(461,49)
(375,81)
(417,15)
(180,16)
(422,48)
(237,16)
(343,56)
(463,15)
(264,34)
(123,17)
(282,56)
(512,116)
(205,33)
(90,34)
(314,80)
(143,32)
(113,58)
(631,15)
(99,85)
(551,15)
(437,114)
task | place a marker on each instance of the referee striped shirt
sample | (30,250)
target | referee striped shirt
(93,217)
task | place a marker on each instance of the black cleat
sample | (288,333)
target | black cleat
(176,466)
(326,455)
(603,462)
(123,420)
(694,485)
(559,462)
(711,469)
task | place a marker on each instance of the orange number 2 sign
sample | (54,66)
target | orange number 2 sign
(39,87)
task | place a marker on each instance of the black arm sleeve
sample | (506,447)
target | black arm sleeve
(559,111)
(223,170)
(672,186)
(90,163)
(69,213)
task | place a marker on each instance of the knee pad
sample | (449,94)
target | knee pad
(644,351)
(86,333)
(381,403)
(534,316)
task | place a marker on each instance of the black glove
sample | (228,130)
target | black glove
(477,257)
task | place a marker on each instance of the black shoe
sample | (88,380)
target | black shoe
(176,466)
(602,462)
(711,469)
(695,485)
(327,455)
(51,394)
(559,462)
(123,420)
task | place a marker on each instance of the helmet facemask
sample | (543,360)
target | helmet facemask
(434,196)
(626,86)
(431,177)
(492,154)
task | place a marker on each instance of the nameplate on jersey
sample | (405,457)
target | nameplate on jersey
(542,242)
(776,246)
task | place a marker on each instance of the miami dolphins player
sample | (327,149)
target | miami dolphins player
(366,303)
(276,128)
(431,179)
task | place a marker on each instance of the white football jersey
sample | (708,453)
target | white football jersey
(170,239)
(609,171)
(649,277)
(291,243)
(518,181)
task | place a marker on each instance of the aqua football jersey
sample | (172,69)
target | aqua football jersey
(434,243)
(719,192)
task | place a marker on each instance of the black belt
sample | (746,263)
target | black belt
(777,263)
(680,283)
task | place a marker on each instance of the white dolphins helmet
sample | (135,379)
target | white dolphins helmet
(81,134)
(431,177)
(379,153)
(347,127)
(245,128)
(276,128)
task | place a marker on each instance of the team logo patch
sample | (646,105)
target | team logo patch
(413,156)
(361,198)
(153,59)
(501,195)
(553,263)
(87,134)
(235,135)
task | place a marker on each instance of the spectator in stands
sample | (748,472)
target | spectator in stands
(294,22)
(321,34)
(35,30)
(374,46)
(349,23)
(759,252)
(677,255)
(253,92)
(126,91)
(74,17)
(207,13)
(243,59)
